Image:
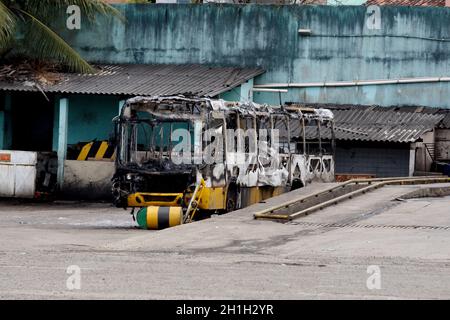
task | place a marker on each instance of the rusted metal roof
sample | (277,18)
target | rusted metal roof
(383,124)
(145,80)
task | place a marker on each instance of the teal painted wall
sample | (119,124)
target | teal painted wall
(56,123)
(412,42)
(233,95)
(345,2)
(90,117)
(5,121)
(2,121)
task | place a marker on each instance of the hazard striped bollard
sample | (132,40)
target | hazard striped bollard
(157,218)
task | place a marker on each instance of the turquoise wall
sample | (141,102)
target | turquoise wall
(5,121)
(412,42)
(232,95)
(90,117)
(2,121)
(345,2)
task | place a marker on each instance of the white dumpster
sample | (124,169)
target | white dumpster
(23,174)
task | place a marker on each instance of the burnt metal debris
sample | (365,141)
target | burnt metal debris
(145,151)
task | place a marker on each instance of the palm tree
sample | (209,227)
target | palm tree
(25,27)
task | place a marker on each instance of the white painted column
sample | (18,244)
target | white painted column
(246,91)
(412,159)
(62,138)
(121,103)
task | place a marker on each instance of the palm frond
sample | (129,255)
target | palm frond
(47,44)
(7,26)
(54,8)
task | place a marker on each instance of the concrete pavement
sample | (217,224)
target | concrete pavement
(322,256)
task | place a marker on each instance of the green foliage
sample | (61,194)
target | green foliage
(25,25)
(7,26)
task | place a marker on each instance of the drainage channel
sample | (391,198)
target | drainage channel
(368,226)
(306,205)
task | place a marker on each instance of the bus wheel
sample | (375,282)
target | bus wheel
(232,197)
(297,184)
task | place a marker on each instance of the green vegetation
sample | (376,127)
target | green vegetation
(25,29)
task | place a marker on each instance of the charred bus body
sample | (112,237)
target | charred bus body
(242,153)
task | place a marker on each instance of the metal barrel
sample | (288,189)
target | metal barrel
(157,218)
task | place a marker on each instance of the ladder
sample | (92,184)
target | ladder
(430,147)
(195,200)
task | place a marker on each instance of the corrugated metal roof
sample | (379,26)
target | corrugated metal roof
(445,124)
(368,123)
(407,3)
(145,80)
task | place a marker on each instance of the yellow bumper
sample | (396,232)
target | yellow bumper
(142,199)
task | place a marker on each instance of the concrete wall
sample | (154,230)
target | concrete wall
(87,179)
(412,42)
(380,161)
(443,144)
(423,158)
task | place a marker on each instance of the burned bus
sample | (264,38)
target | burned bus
(168,148)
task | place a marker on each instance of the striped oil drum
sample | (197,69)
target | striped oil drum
(157,218)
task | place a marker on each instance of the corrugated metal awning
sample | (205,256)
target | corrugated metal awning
(145,80)
(383,124)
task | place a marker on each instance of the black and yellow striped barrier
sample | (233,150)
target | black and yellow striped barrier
(157,218)
(97,150)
